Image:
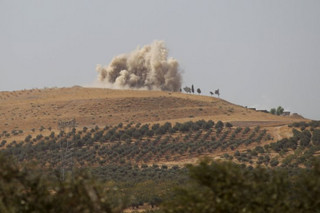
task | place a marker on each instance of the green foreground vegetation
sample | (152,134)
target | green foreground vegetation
(208,187)
(117,168)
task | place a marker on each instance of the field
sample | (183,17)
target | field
(36,114)
(28,109)
(140,141)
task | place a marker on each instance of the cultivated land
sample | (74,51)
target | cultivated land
(140,141)
(32,116)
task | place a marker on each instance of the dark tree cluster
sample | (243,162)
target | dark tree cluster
(226,187)
(132,143)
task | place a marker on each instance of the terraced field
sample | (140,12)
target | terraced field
(166,144)
(140,141)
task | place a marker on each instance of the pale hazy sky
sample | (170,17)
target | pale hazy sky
(259,53)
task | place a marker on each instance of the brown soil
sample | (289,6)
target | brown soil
(29,109)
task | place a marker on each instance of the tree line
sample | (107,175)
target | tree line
(210,187)
(192,90)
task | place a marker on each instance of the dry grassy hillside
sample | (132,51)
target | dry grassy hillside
(29,109)
(29,121)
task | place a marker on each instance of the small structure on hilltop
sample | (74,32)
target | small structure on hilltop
(263,110)
(296,115)
(286,113)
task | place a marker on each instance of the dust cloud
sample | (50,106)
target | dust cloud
(144,68)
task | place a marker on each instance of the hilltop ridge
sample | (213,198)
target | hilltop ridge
(34,108)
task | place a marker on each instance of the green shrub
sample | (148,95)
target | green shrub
(229,125)
(219,125)
(305,138)
(316,137)
(246,130)
(274,162)
(26,190)
(227,187)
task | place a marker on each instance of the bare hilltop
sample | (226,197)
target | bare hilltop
(27,109)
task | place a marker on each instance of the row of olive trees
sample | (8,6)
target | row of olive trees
(191,90)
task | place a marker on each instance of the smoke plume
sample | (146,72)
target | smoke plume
(144,68)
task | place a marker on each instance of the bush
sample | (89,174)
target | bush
(225,187)
(314,124)
(316,137)
(305,138)
(246,130)
(209,124)
(3,142)
(27,139)
(219,125)
(25,190)
(229,125)
(259,149)
(238,130)
(274,162)
(237,153)
(280,110)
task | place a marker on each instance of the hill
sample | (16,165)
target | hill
(145,127)
(28,109)
(140,141)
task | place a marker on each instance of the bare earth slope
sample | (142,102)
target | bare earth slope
(90,107)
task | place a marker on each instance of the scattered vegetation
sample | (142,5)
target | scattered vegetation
(131,160)
(226,187)
(207,187)
(27,190)
(278,111)
(140,144)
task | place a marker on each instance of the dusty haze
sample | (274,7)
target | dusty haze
(144,68)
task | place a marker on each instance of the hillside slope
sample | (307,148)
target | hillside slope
(29,109)
(139,142)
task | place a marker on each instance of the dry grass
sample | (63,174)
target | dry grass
(89,106)
(30,109)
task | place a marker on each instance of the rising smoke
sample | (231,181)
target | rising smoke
(144,68)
